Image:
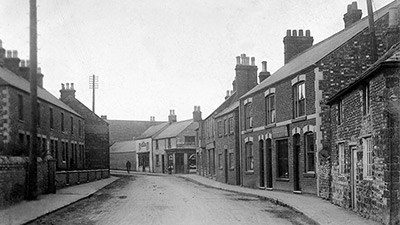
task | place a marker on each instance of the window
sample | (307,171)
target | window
(231,126)
(340,112)
(147,145)
(79,127)
(366,99)
(189,140)
(62,121)
(157,144)
(72,125)
(341,158)
(248,117)
(270,108)
(368,159)
(157,160)
(226,126)
(20,107)
(169,142)
(38,115)
(299,99)
(51,119)
(220,161)
(219,124)
(231,161)
(282,159)
(64,151)
(249,156)
(309,152)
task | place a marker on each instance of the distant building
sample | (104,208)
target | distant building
(175,146)
(60,128)
(96,131)
(144,146)
(120,153)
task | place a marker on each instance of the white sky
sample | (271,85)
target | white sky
(155,55)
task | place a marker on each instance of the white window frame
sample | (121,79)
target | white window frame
(368,159)
(341,158)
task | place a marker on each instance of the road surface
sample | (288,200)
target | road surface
(141,199)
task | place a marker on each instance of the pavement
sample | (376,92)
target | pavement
(26,211)
(317,209)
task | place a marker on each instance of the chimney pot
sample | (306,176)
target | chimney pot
(301,33)
(72,86)
(354,6)
(1,43)
(288,33)
(62,86)
(264,66)
(9,54)
(348,7)
(237,60)
(15,54)
(308,33)
(294,33)
(253,61)
(22,63)
(67,86)
(39,70)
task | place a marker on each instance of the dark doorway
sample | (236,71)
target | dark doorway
(226,168)
(163,163)
(296,164)
(268,145)
(179,163)
(262,165)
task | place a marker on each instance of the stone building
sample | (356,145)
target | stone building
(120,153)
(60,128)
(365,142)
(96,131)
(286,146)
(175,146)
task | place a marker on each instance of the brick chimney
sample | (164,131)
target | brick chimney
(172,116)
(104,117)
(392,34)
(197,114)
(264,74)
(23,71)
(66,91)
(353,14)
(2,53)
(246,75)
(39,78)
(11,61)
(295,44)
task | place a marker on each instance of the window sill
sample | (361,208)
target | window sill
(270,125)
(298,119)
(282,179)
(248,131)
(250,172)
(309,175)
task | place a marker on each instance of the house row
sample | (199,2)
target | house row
(325,123)
(165,147)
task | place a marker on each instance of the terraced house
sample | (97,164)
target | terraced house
(287,146)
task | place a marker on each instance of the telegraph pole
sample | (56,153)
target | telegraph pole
(93,84)
(32,171)
(372,31)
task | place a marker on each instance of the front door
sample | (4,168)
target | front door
(262,171)
(268,144)
(353,177)
(296,164)
(179,163)
(163,163)
(226,168)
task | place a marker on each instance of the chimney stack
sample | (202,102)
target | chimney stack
(392,34)
(197,114)
(172,116)
(152,118)
(65,92)
(104,117)
(264,74)
(295,44)
(227,94)
(352,15)
(2,54)
(11,61)
(246,75)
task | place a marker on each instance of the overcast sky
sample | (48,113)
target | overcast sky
(155,55)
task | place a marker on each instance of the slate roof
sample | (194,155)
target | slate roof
(229,109)
(125,130)
(9,78)
(391,57)
(174,129)
(87,113)
(319,51)
(123,146)
(151,131)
